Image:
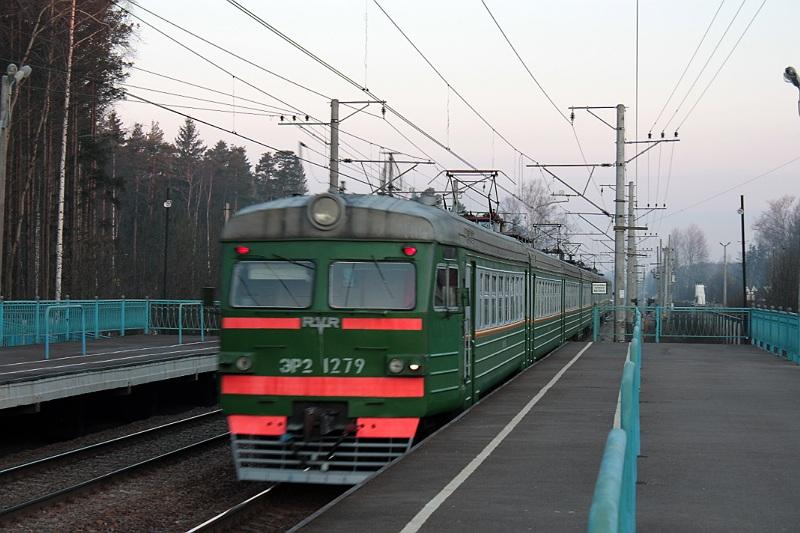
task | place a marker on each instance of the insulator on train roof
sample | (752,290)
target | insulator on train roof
(281,118)
(650,135)
(306,118)
(294,117)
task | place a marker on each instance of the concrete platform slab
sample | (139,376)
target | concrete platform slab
(26,378)
(539,477)
(720,429)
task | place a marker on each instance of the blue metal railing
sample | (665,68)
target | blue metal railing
(26,322)
(64,323)
(613,507)
(777,332)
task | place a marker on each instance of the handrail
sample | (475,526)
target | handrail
(180,321)
(613,507)
(47,326)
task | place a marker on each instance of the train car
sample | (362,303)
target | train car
(350,320)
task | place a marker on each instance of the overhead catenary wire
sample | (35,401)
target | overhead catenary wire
(705,65)
(544,92)
(293,109)
(688,64)
(711,81)
(231,132)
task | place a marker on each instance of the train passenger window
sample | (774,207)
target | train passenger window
(372,285)
(284,284)
(445,292)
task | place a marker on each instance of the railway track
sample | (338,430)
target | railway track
(229,519)
(49,479)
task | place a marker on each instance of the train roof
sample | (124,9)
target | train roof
(376,217)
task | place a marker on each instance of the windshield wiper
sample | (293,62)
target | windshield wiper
(293,261)
(383,279)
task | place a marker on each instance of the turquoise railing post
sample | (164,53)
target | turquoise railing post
(628,422)
(96,318)
(658,324)
(37,321)
(202,322)
(595,323)
(797,340)
(604,514)
(2,322)
(47,326)
(180,323)
(122,317)
(147,315)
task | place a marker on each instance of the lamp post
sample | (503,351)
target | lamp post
(790,76)
(167,205)
(725,273)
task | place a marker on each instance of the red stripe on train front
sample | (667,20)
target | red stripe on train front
(387,428)
(233,322)
(401,324)
(257,425)
(324,386)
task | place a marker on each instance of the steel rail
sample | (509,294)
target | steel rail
(72,489)
(103,444)
(221,521)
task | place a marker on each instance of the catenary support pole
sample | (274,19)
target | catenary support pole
(334,161)
(619,231)
(631,283)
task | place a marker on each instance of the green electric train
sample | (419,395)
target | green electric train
(348,321)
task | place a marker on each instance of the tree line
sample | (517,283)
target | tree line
(772,259)
(104,235)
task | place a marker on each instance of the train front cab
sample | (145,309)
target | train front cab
(332,352)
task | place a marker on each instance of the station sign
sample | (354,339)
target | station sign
(600,288)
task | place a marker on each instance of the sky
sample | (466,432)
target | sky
(740,136)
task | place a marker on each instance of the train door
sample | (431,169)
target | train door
(563,310)
(467,331)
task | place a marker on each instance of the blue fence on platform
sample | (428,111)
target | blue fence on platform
(613,507)
(48,321)
(777,332)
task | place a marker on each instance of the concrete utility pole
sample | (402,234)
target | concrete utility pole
(619,230)
(632,289)
(744,259)
(725,273)
(11,78)
(334,161)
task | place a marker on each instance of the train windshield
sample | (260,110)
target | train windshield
(372,285)
(272,284)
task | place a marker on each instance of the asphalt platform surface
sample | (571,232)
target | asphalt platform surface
(720,430)
(540,478)
(24,363)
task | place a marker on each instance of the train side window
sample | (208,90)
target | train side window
(439,294)
(445,292)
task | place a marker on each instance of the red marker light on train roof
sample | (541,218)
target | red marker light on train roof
(409,250)
(242,250)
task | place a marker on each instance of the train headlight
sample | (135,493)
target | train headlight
(244,363)
(396,366)
(414,367)
(326,211)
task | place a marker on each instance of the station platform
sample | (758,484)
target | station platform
(525,458)
(26,378)
(720,434)
(720,431)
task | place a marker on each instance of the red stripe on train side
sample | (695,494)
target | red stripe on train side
(387,428)
(397,324)
(324,386)
(257,425)
(236,322)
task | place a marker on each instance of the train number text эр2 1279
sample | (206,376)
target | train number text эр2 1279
(330,365)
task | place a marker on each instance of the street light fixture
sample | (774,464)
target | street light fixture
(790,76)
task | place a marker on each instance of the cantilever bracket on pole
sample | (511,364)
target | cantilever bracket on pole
(652,145)
(573,189)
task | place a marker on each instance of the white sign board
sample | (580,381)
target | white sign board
(600,288)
